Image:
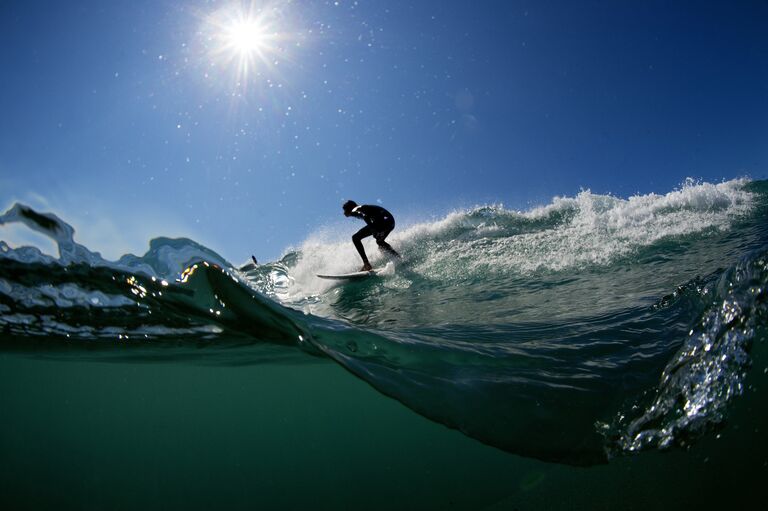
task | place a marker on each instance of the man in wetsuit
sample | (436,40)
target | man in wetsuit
(379,223)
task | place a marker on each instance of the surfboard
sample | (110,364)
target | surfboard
(353,275)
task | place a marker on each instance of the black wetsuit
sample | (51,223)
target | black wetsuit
(379,223)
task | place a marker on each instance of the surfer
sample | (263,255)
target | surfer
(379,223)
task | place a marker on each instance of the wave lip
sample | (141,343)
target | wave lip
(707,373)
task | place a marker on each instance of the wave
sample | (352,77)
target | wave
(588,328)
(568,235)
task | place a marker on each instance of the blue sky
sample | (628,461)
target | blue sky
(134,119)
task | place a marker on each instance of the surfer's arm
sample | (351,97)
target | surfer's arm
(374,214)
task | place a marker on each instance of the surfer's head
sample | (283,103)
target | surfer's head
(348,207)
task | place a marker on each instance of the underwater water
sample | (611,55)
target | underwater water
(594,353)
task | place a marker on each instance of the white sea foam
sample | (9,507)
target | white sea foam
(569,233)
(601,229)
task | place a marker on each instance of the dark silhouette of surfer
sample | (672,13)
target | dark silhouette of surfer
(379,223)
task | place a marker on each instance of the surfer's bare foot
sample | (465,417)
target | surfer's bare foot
(366,267)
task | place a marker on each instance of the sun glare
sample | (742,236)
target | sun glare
(248,38)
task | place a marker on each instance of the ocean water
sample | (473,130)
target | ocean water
(594,353)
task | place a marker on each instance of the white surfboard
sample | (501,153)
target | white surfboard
(353,275)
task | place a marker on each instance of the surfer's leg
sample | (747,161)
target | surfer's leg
(383,245)
(356,239)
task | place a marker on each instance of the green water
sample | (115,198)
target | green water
(114,435)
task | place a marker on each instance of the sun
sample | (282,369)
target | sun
(249,38)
